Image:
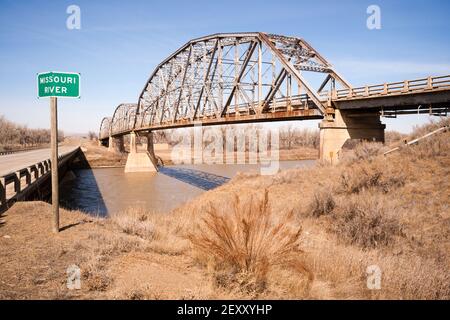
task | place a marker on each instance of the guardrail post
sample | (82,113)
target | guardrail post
(28,176)
(366,91)
(350,93)
(2,193)
(429,83)
(405,86)
(41,168)
(385,88)
(35,170)
(334,94)
(17,182)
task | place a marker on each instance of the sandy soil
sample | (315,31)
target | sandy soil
(34,261)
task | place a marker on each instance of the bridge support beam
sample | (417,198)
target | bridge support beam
(348,125)
(139,161)
(116,144)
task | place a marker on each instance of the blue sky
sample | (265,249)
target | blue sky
(121,42)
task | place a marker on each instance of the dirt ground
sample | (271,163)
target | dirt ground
(113,265)
(34,261)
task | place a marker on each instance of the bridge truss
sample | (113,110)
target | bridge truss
(253,77)
(226,78)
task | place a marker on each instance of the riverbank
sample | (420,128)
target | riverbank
(312,233)
(99,157)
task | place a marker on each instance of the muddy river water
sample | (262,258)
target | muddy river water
(108,190)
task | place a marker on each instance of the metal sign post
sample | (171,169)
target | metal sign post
(54,162)
(53,85)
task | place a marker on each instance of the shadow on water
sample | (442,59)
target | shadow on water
(199,179)
(79,190)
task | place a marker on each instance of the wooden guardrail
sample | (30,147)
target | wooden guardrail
(13,184)
(393,88)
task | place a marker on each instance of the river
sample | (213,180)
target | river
(104,191)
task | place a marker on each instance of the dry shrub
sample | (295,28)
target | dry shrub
(362,151)
(322,203)
(114,244)
(135,222)
(377,175)
(94,273)
(243,245)
(434,146)
(140,292)
(366,221)
(96,279)
(419,131)
(393,137)
(166,233)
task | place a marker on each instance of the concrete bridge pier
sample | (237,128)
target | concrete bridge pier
(346,125)
(116,144)
(139,161)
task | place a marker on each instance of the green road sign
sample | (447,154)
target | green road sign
(58,84)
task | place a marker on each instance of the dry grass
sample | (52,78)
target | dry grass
(366,221)
(243,245)
(363,151)
(135,222)
(166,234)
(342,271)
(322,202)
(375,175)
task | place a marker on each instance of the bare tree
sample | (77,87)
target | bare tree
(92,135)
(15,136)
(291,137)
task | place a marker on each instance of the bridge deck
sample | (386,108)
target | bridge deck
(22,173)
(430,95)
(14,162)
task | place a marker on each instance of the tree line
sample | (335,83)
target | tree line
(15,136)
(290,136)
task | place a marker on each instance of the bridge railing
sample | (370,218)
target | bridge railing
(14,183)
(294,102)
(393,88)
(6,152)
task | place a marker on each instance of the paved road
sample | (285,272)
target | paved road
(16,161)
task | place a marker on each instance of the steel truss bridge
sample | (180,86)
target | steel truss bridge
(255,77)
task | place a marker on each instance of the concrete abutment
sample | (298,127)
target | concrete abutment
(346,125)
